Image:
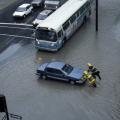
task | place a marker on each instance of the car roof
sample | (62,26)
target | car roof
(56,65)
(45,12)
(52,1)
(24,5)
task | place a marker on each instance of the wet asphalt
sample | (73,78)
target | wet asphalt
(33,98)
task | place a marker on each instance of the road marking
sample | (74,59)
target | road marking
(17,36)
(17,28)
(21,24)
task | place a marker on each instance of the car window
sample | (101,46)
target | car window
(67,68)
(58,72)
(54,71)
(50,70)
(28,7)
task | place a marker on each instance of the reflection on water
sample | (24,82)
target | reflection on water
(9,52)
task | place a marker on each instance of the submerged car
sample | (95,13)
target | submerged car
(37,3)
(60,71)
(23,10)
(41,16)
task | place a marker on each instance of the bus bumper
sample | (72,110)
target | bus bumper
(46,49)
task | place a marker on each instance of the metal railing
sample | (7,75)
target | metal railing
(12,116)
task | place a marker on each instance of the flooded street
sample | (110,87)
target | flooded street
(36,99)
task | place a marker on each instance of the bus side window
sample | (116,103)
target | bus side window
(77,14)
(66,25)
(81,9)
(60,34)
(72,19)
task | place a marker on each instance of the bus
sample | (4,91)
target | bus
(52,33)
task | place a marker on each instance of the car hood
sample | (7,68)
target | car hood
(37,21)
(19,13)
(76,73)
(42,67)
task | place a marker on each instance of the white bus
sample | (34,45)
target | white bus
(59,26)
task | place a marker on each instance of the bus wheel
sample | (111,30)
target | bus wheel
(89,12)
(63,42)
(24,16)
(85,19)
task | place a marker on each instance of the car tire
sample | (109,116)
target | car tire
(44,77)
(72,82)
(40,75)
(24,16)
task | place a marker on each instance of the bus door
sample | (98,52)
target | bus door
(67,29)
(60,37)
(73,23)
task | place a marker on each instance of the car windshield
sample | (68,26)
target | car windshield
(21,9)
(45,34)
(41,17)
(67,68)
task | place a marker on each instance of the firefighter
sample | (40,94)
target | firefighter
(95,73)
(85,75)
(91,80)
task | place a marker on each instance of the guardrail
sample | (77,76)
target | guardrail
(12,116)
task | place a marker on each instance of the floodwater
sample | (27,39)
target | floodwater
(37,99)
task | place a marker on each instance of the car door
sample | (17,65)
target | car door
(59,74)
(55,73)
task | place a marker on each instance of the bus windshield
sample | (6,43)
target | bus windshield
(46,35)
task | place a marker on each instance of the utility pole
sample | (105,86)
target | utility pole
(3,106)
(96,15)
(4,109)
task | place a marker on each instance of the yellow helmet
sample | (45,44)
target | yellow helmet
(89,76)
(89,65)
(85,73)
